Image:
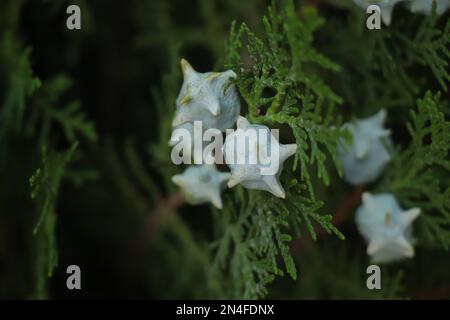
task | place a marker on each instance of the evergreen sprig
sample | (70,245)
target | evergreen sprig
(46,120)
(278,82)
(419,174)
(280,85)
(430,47)
(45,184)
(392,66)
(48,112)
(19,84)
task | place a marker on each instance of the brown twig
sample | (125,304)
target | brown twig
(432,293)
(164,207)
(348,205)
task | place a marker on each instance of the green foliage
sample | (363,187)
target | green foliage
(412,43)
(30,109)
(45,184)
(280,84)
(326,275)
(69,118)
(283,80)
(430,48)
(47,180)
(17,79)
(283,64)
(419,174)
(20,83)
(254,239)
(297,71)
(391,66)
(46,118)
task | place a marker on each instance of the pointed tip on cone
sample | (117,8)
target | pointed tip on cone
(177,121)
(373,247)
(279,192)
(415,212)
(366,196)
(186,68)
(408,249)
(275,187)
(242,123)
(379,118)
(412,214)
(176,179)
(214,108)
(217,203)
(288,150)
(233,182)
(184,64)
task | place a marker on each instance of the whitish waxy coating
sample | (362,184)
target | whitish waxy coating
(386,227)
(366,156)
(248,174)
(209,97)
(416,6)
(425,6)
(201,184)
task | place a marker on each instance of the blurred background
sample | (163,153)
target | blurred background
(86,115)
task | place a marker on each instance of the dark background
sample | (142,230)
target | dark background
(118,63)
